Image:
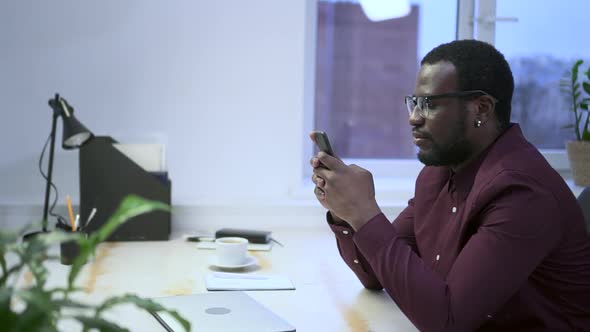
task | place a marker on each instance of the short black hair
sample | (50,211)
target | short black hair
(479,66)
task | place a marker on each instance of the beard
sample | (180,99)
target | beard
(456,151)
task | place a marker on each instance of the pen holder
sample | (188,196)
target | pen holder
(69,250)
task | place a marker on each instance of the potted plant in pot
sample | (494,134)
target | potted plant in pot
(576,90)
(41,307)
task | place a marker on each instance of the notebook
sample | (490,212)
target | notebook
(220,311)
(251,246)
(221,281)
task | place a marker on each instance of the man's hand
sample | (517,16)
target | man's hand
(346,190)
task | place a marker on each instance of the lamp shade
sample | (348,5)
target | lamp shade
(75,134)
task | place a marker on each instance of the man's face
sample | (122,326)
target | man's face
(442,136)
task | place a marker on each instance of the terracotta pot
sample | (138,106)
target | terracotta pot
(578,153)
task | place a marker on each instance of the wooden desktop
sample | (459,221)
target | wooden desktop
(328,297)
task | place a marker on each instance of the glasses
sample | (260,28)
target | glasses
(425,107)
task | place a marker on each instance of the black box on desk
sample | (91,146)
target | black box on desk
(106,176)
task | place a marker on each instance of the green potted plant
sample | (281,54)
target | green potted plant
(576,90)
(43,307)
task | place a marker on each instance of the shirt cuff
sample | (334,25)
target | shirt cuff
(350,253)
(332,222)
(339,228)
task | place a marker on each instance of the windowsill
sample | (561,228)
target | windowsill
(575,189)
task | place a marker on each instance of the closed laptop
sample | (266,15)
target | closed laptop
(220,311)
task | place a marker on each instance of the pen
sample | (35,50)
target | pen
(200,239)
(71,211)
(76,223)
(92,213)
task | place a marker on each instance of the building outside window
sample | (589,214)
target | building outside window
(364,69)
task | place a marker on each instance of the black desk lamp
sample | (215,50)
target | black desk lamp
(75,134)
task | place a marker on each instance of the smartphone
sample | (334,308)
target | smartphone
(321,140)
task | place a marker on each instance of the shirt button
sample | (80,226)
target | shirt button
(454,209)
(345,232)
(356,261)
(437,257)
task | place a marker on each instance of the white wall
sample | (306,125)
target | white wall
(221,83)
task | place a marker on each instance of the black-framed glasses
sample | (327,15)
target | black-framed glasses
(423,103)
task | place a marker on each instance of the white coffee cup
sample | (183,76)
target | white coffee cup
(231,250)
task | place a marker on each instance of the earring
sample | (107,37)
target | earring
(477,123)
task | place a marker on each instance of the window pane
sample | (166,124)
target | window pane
(365,68)
(540,48)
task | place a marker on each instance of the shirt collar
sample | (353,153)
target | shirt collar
(463,180)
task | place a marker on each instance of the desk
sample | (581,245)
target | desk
(328,297)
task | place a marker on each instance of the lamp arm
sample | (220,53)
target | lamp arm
(49,170)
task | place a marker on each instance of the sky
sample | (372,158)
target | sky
(557,27)
(549,27)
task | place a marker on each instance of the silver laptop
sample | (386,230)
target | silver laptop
(220,311)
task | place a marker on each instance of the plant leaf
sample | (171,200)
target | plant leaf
(145,304)
(575,70)
(131,206)
(63,291)
(39,272)
(37,297)
(586,87)
(5,295)
(13,269)
(58,236)
(44,307)
(7,238)
(36,253)
(38,314)
(584,106)
(99,323)
(3,263)
(8,318)
(69,303)
(586,133)
(33,255)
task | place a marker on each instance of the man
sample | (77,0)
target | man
(493,240)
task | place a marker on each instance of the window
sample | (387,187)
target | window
(364,69)
(540,47)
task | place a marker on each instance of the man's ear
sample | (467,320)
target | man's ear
(485,108)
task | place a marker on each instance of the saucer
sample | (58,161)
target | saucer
(250,260)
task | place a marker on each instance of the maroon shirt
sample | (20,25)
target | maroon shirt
(500,245)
